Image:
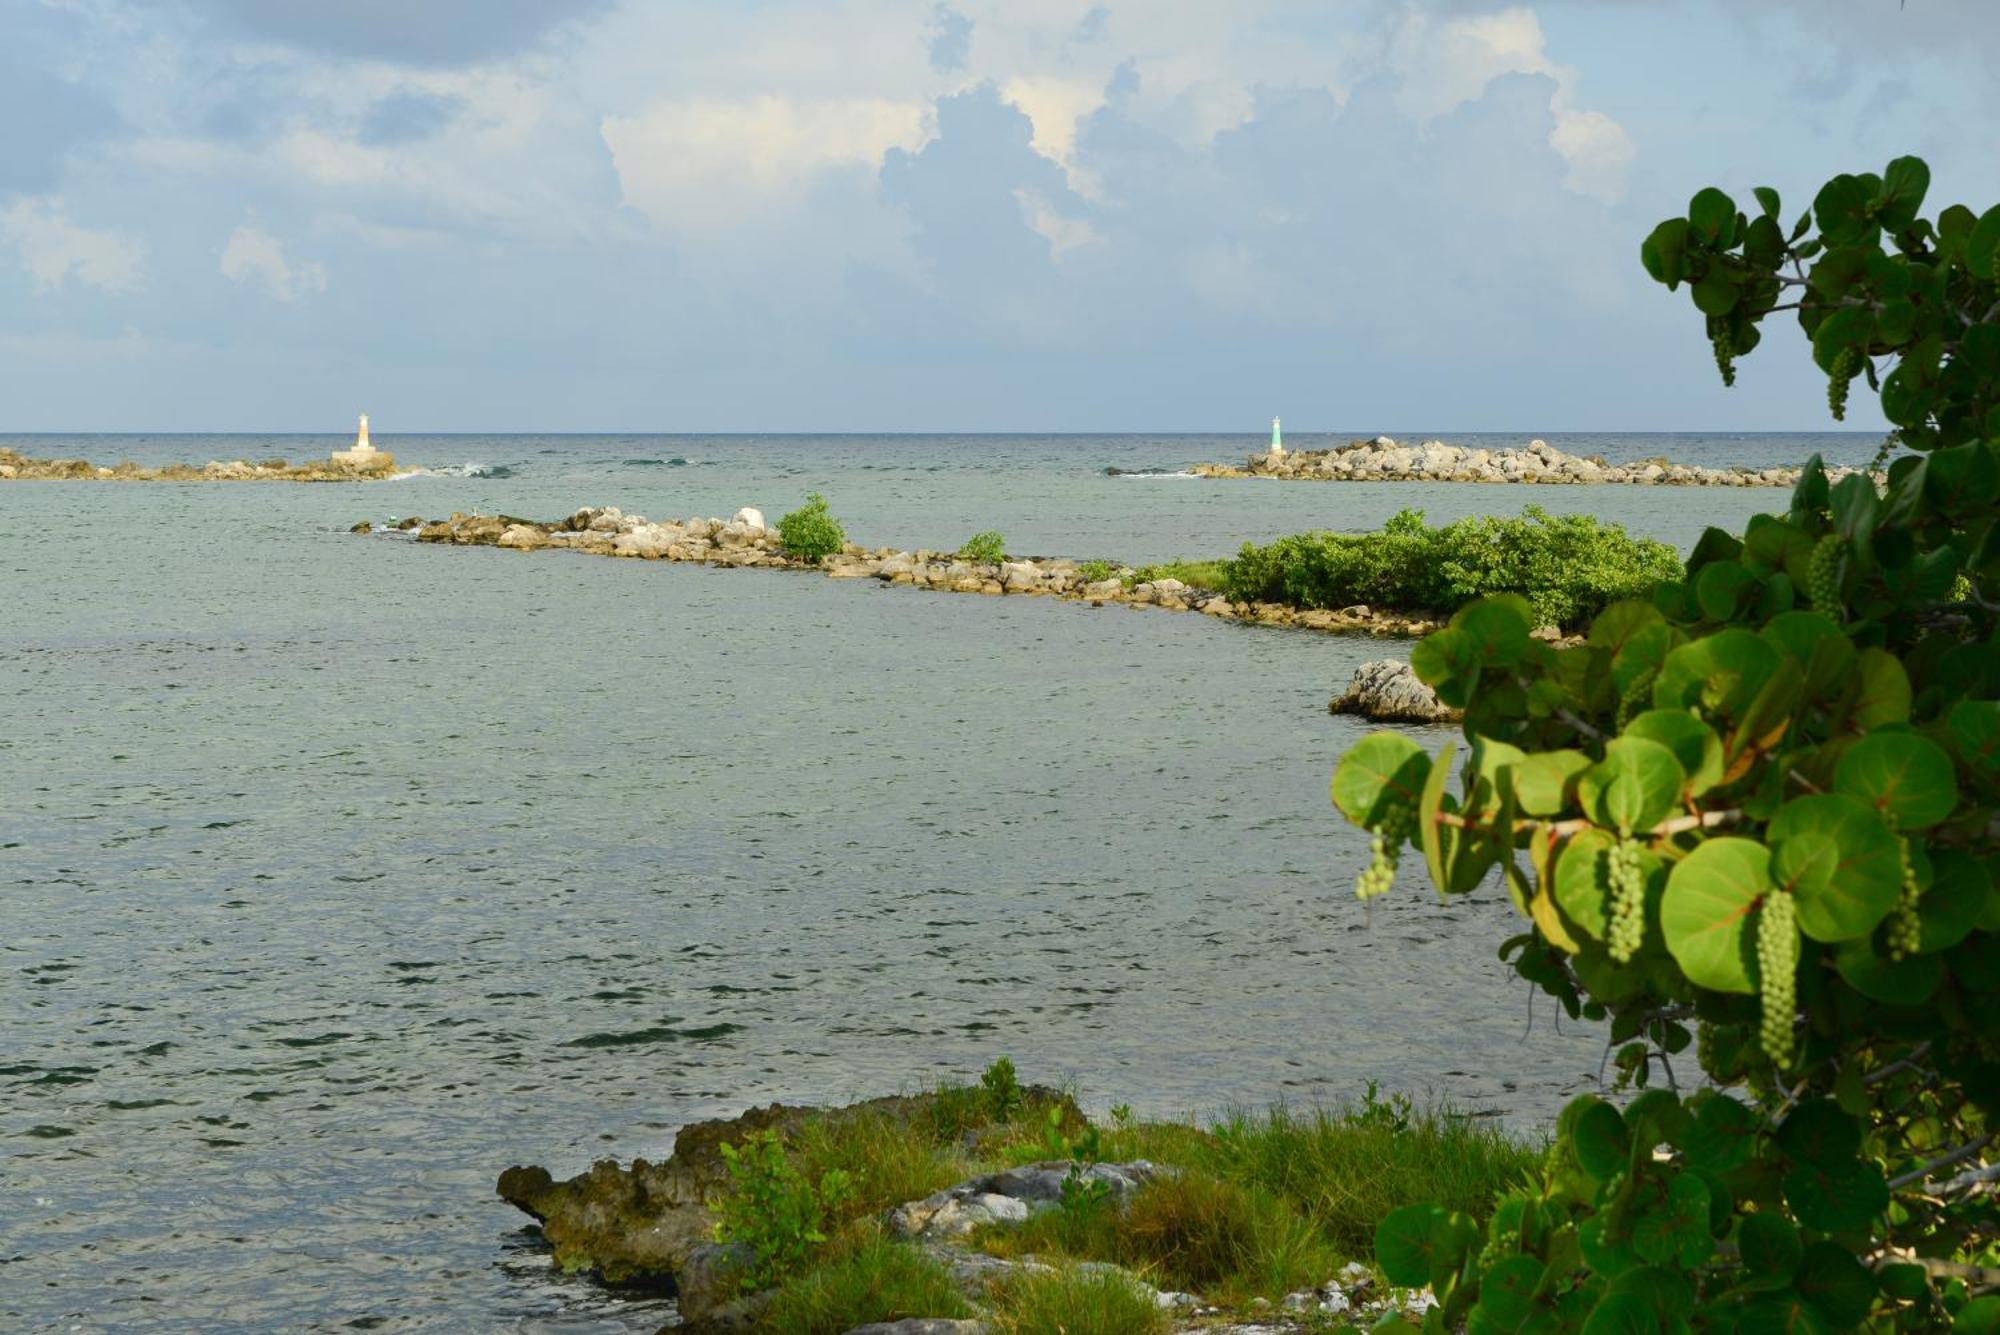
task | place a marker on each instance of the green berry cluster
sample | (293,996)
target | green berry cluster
(1398,823)
(1777,972)
(1637,696)
(1846,365)
(1906,929)
(1823,573)
(1725,353)
(1628,900)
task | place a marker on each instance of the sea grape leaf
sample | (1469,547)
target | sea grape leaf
(1693,743)
(1905,776)
(1603,1142)
(1381,770)
(1840,861)
(1546,780)
(1634,787)
(1707,908)
(1771,1249)
(1719,673)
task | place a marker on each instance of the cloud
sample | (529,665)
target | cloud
(406,117)
(253,255)
(54,250)
(708,163)
(951,39)
(434,32)
(47,108)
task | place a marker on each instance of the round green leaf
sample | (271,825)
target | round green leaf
(1841,863)
(1720,673)
(1952,904)
(1907,777)
(1781,1314)
(1723,1134)
(1381,770)
(1635,786)
(1724,588)
(1982,248)
(1712,214)
(1975,731)
(1603,1144)
(1693,743)
(1583,881)
(1707,910)
(1403,1243)
(1674,1231)
(1819,1128)
(1885,691)
(1833,1280)
(1837,1195)
(1981,1316)
(1896,983)
(1622,1314)
(1507,1290)
(1771,1250)
(1546,780)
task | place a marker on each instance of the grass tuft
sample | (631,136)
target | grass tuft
(871,1280)
(1074,1301)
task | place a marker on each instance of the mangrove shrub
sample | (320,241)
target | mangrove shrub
(1751,823)
(1568,568)
(810,533)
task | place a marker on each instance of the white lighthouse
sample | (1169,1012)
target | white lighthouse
(364,458)
(1277,438)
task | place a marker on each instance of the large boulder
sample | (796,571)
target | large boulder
(1389,691)
(1011,1196)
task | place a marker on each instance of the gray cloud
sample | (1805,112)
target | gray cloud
(433,32)
(951,40)
(407,117)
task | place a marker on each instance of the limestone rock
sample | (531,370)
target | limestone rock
(1010,1197)
(1388,690)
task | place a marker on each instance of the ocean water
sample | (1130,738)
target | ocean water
(338,873)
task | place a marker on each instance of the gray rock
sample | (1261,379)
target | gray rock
(1010,1197)
(1388,690)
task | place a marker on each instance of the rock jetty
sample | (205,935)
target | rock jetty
(1385,460)
(745,541)
(377,464)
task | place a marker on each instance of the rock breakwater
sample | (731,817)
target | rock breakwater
(1385,460)
(15,467)
(745,541)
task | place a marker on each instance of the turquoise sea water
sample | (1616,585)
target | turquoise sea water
(339,873)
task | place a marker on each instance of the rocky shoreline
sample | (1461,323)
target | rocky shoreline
(656,1225)
(15,467)
(1385,460)
(745,541)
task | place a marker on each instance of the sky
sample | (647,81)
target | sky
(904,215)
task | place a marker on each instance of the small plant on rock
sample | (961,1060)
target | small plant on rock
(1096,572)
(774,1210)
(987,548)
(810,533)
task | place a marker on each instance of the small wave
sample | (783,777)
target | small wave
(459,470)
(1148,473)
(675,462)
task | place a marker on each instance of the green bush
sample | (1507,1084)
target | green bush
(1568,568)
(1758,813)
(810,533)
(773,1209)
(1096,572)
(987,548)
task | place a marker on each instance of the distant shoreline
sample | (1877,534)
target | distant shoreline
(1385,460)
(20,468)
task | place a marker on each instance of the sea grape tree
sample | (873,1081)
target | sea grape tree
(1755,816)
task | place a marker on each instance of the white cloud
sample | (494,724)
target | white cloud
(710,162)
(54,249)
(254,255)
(1445,65)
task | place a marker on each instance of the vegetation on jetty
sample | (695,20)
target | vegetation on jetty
(1004,1201)
(1761,818)
(20,468)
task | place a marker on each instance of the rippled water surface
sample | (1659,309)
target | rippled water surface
(339,873)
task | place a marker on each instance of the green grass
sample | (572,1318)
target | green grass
(1074,1302)
(1345,1171)
(872,1280)
(888,1161)
(1211,575)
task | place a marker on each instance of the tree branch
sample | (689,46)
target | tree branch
(1959,1155)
